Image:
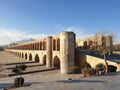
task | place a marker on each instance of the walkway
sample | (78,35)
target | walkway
(56,81)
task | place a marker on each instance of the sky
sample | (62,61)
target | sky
(24,19)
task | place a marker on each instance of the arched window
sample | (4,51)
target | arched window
(85,45)
(40,45)
(58,44)
(54,44)
(44,45)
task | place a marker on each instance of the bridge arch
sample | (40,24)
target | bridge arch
(56,62)
(54,44)
(44,60)
(40,45)
(30,57)
(22,55)
(85,44)
(44,45)
(58,44)
(25,55)
(112,68)
(90,43)
(37,58)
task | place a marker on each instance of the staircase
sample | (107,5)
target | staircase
(9,61)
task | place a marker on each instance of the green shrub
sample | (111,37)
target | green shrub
(87,65)
(100,66)
(19,81)
(18,69)
(89,72)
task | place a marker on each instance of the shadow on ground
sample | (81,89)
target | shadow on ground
(81,81)
(5,85)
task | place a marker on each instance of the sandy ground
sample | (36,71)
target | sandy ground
(56,81)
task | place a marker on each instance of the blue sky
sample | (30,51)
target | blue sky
(20,19)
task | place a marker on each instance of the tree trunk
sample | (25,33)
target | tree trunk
(106,64)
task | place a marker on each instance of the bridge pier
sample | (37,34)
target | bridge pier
(49,51)
(67,51)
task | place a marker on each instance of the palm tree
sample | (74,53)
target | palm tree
(19,70)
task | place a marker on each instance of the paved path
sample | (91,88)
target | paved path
(56,81)
(60,82)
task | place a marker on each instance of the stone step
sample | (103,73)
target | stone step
(32,68)
(23,62)
(35,71)
(11,66)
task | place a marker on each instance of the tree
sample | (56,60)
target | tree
(103,51)
(102,46)
(18,69)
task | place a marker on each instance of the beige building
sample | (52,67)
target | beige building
(59,51)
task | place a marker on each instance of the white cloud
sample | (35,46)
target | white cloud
(79,32)
(11,35)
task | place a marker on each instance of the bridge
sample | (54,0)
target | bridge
(59,51)
(52,51)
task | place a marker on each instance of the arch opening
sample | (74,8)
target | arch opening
(37,58)
(44,45)
(30,57)
(40,45)
(56,63)
(54,44)
(58,45)
(44,60)
(85,45)
(90,43)
(22,55)
(25,55)
(112,68)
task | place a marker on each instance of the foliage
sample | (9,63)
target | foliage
(87,65)
(89,72)
(100,66)
(103,51)
(19,70)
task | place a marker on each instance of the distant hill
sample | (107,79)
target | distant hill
(18,42)
(22,41)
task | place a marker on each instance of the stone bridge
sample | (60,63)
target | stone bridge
(59,51)
(52,51)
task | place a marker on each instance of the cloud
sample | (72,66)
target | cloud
(79,32)
(11,35)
